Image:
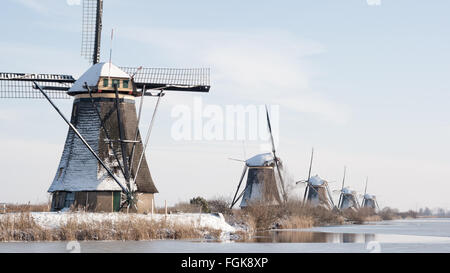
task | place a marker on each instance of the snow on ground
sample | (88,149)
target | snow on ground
(204,220)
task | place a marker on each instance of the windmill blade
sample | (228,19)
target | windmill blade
(235,159)
(301,181)
(270,131)
(20,85)
(136,134)
(170,79)
(329,195)
(149,131)
(239,197)
(365,189)
(239,185)
(123,146)
(343,179)
(275,156)
(91,30)
(305,194)
(310,164)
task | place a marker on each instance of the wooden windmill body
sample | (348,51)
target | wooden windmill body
(264,183)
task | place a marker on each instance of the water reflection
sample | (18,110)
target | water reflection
(296,236)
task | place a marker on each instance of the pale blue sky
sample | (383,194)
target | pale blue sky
(367,86)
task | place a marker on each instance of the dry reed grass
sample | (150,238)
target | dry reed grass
(320,216)
(296,221)
(22,227)
(43,207)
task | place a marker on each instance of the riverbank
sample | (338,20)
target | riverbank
(183,221)
(82,226)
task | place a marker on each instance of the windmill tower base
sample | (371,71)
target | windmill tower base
(80,181)
(98,201)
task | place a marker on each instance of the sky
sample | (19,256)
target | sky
(363,82)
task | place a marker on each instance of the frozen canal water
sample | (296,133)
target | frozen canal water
(418,235)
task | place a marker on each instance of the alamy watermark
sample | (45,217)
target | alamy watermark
(224,122)
(373,2)
(373,247)
(73,247)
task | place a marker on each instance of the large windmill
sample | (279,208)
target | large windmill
(103,165)
(264,180)
(317,192)
(369,200)
(347,197)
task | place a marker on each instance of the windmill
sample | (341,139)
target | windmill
(347,197)
(264,180)
(317,192)
(369,201)
(103,165)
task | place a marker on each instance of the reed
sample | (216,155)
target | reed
(22,227)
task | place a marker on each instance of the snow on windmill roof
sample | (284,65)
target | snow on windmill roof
(369,196)
(316,180)
(260,160)
(93,74)
(347,190)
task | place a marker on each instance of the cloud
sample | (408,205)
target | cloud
(38,6)
(260,66)
(28,170)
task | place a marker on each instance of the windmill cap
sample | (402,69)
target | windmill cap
(347,190)
(93,74)
(260,160)
(316,180)
(369,196)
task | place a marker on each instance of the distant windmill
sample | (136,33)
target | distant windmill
(347,197)
(317,191)
(103,166)
(369,201)
(264,180)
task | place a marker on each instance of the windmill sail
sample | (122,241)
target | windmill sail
(170,79)
(20,85)
(91,30)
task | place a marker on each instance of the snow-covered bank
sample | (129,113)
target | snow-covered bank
(41,225)
(56,219)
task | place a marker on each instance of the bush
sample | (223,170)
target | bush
(388,214)
(262,216)
(200,201)
(220,205)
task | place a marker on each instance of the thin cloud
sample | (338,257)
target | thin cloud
(260,66)
(38,6)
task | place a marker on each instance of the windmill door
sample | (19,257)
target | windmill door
(116,200)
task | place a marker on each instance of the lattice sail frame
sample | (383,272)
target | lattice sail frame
(175,79)
(20,85)
(91,30)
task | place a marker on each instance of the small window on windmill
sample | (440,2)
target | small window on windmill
(105,82)
(115,83)
(125,84)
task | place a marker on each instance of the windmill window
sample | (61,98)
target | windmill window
(115,82)
(105,82)
(125,83)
